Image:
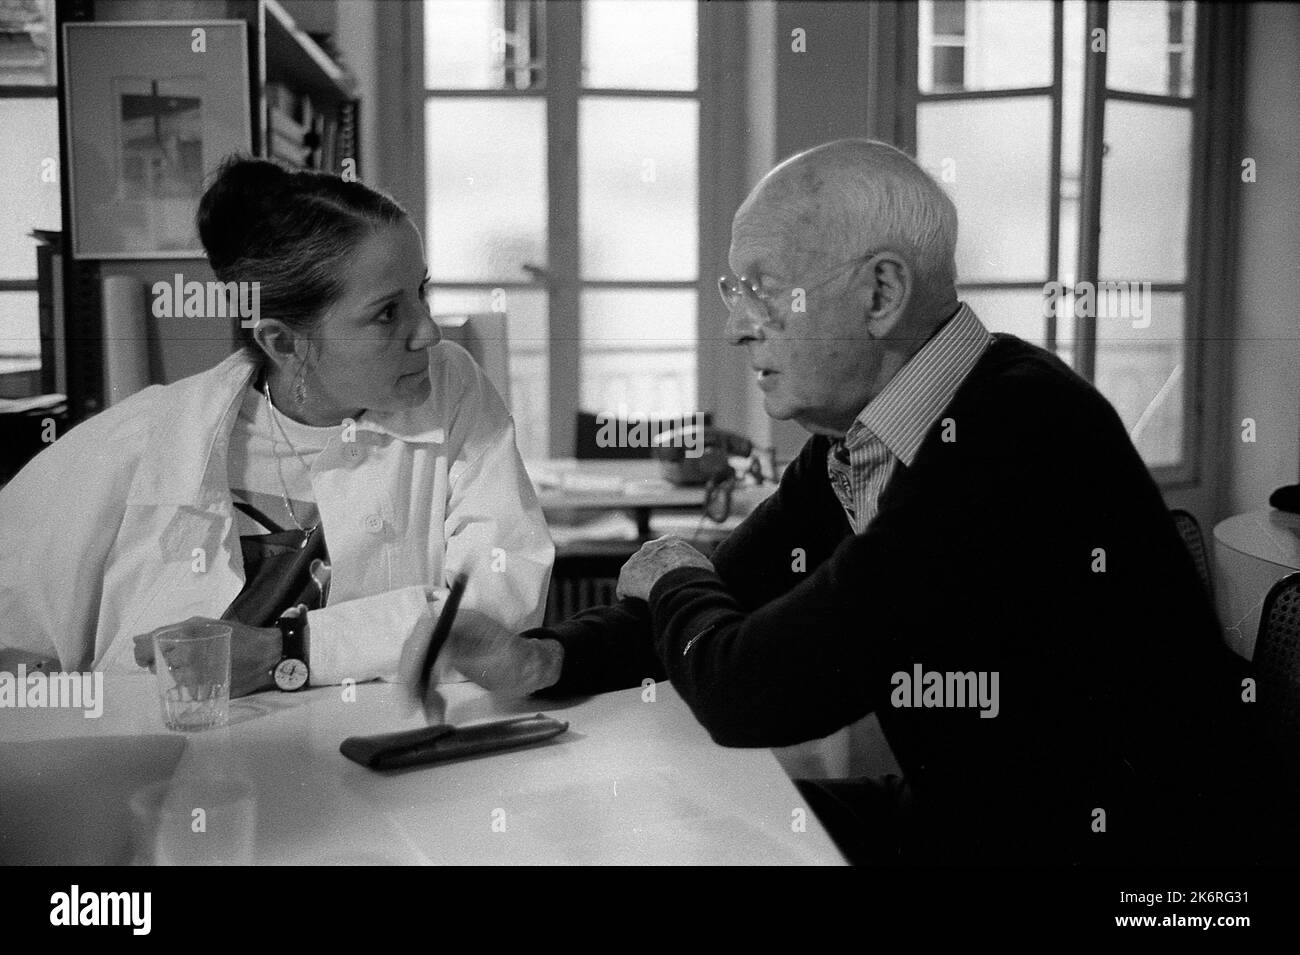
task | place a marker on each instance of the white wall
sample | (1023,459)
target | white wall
(1265,340)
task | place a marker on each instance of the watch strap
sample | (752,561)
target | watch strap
(293,633)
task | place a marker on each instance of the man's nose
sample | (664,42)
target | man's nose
(741,326)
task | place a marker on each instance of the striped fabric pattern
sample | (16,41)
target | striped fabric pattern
(892,426)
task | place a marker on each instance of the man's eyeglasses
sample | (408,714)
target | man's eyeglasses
(736,288)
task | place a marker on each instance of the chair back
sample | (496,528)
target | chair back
(1277,668)
(1190,531)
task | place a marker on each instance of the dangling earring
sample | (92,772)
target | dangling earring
(300,384)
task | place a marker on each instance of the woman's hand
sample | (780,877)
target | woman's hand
(490,654)
(254,652)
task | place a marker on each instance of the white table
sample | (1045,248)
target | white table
(1251,553)
(631,782)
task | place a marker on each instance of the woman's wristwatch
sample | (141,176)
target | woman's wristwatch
(291,673)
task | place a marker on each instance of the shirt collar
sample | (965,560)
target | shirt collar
(412,425)
(914,398)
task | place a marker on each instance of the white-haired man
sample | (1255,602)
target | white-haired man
(968,545)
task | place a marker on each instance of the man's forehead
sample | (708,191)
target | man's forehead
(774,236)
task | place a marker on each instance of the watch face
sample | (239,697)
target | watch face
(291,674)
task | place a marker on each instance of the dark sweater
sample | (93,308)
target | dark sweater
(1115,691)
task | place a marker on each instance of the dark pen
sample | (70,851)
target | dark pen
(441,631)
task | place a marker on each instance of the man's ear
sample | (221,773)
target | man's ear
(280,343)
(888,285)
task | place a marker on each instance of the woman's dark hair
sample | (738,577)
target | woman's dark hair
(291,231)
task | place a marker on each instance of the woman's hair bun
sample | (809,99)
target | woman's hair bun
(235,206)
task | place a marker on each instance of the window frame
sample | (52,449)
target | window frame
(718,57)
(1208,223)
(17,380)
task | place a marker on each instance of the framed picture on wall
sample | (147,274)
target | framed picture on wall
(152,110)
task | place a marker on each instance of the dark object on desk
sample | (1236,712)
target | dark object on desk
(711,462)
(588,445)
(1190,531)
(437,744)
(441,630)
(1286,498)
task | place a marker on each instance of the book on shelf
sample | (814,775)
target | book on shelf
(283,124)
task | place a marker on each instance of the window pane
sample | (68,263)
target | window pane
(949,18)
(638,351)
(1074,25)
(1145,185)
(638,213)
(992,156)
(1141,370)
(27,41)
(20,335)
(999,44)
(483,44)
(639,44)
(1017,312)
(527,339)
(949,68)
(486,188)
(1149,47)
(30,202)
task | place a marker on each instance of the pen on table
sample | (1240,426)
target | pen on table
(441,631)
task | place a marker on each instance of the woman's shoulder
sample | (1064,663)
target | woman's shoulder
(167,405)
(114,439)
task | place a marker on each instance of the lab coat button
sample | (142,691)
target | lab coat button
(373,523)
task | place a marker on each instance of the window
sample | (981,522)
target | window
(562,188)
(943,45)
(1068,149)
(28,102)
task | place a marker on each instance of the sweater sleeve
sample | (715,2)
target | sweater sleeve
(610,648)
(605,648)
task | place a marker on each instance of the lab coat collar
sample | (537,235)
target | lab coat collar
(185,462)
(412,425)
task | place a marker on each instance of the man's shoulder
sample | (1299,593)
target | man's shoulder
(1016,382)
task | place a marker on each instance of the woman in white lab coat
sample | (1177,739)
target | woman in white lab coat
(342,418)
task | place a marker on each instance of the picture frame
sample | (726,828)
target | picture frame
(152,108)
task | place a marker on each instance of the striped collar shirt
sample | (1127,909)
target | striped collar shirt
(892,426)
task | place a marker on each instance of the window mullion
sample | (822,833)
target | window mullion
(1094,119)
(564,82)
(1054,173)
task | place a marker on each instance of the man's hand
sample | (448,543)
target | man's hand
(490,654)
(652,561)
(254,652)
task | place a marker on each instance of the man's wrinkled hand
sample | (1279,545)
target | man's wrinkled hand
(652,561)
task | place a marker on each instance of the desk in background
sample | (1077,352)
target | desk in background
(588,555)
(631,782)
(633,486)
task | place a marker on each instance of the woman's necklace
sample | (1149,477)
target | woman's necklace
(284,488)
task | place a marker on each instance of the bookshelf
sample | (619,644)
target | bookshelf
(307,107)
(317,115)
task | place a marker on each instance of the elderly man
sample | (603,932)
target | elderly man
(968,545)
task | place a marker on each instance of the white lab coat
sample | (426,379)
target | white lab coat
(126,524)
